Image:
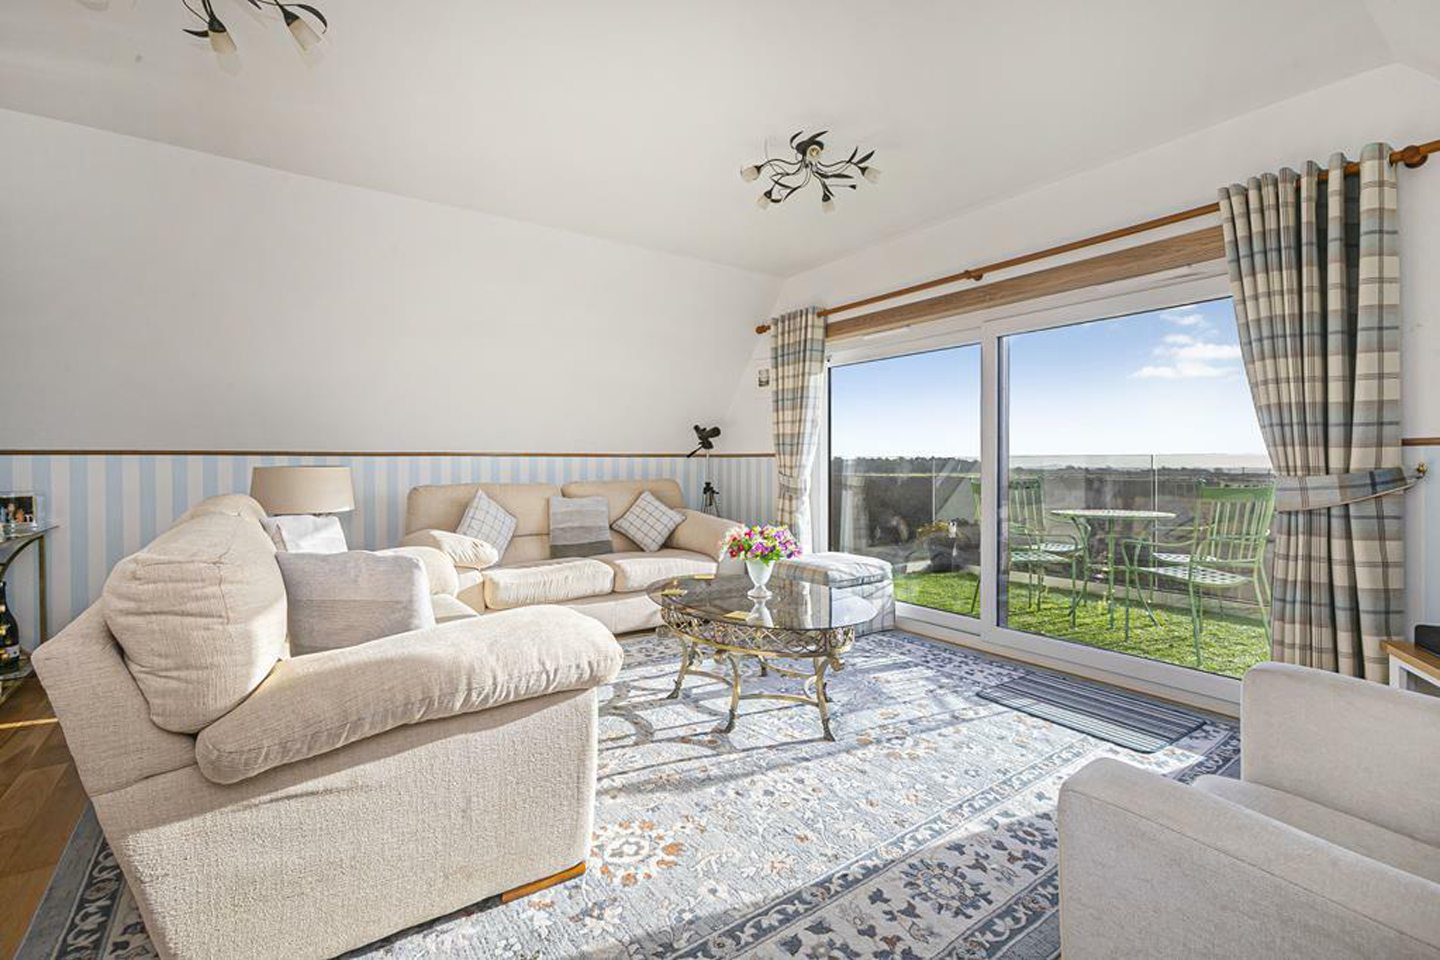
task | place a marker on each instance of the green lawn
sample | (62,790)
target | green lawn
(1230,644)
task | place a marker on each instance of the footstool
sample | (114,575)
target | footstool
(867,577)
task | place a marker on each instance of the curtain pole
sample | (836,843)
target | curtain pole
(1412,156)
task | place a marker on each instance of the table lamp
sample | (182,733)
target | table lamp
(301,503)
(313,490)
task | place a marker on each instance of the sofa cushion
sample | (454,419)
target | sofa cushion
(440,506)
(636,571)
(619,495)
(231,504)
(486,520)
(547,581)
(341,599)
(449,608)
(200,614)
(463,551)
(1343,830)
(312,705)
(579,526)
(649,522)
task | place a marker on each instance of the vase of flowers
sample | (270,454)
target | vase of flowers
(760,547)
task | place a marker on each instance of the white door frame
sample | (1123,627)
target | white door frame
(1157,292)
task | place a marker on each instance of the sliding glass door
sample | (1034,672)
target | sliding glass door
(1139,491)
(1132,493)
(905,471)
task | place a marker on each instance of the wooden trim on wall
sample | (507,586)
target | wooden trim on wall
(1188,249)
(349,453)
(1420,442)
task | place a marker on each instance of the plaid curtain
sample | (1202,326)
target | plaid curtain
(1314,267)
(797,362)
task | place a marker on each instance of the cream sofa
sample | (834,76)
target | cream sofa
(264,806)
(1328,847)
(609,587)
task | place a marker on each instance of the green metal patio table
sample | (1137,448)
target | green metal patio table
(1108,518)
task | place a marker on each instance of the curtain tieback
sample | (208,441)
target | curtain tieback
(1323,491)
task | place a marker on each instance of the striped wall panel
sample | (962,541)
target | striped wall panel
(110,505)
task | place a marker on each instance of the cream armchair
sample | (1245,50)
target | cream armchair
(1327,848)
(336,797)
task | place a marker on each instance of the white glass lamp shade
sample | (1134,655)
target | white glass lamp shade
(220,40)
(289,490)
(302,31)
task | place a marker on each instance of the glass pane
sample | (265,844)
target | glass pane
(1138,491)
(904,469)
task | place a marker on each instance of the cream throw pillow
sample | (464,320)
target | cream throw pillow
(341,599)
(463,551)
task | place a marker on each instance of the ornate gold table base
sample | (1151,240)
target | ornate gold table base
(732,642)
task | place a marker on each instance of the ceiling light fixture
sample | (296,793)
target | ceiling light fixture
(787,176)
(222,43)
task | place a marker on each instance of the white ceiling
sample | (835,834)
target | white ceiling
(631,118)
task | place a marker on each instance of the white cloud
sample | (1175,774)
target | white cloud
(1185,318)
(1207,351)
(1184,357)
(1185,370)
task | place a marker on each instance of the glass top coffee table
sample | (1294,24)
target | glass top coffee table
(799,621)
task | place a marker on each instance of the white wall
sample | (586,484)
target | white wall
(1394,103)
(156,297)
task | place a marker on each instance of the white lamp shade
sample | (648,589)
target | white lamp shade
(303,33)
(221,42)
(283,490)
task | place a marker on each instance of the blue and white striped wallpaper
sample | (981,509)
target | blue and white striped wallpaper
(110,505)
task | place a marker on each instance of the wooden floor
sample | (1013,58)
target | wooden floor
(40,801)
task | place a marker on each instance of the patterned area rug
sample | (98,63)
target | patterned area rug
(926,830)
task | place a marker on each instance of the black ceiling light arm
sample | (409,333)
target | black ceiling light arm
(787,175)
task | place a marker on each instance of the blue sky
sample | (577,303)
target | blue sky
(1166,382)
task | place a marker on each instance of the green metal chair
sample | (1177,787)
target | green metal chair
(1221,549)
(1032,548)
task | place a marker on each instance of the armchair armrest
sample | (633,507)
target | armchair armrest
(1354,746)
(702,533)
(314,704)
(1150,867)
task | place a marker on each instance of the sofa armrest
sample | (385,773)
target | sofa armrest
(105,717)
(1152,867)
(1351,745)
(702,533)
(439,570)
(314,704)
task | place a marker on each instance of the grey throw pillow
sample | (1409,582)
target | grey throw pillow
(649,522)
(486,520)
(579,526)
(341,599)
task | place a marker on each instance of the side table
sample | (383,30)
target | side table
(13,543)
(1408,662)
